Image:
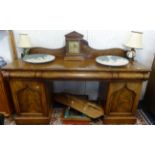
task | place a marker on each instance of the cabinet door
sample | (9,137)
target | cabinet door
(29,97)
(123,98)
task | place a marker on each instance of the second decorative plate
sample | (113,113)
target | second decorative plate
(111,60)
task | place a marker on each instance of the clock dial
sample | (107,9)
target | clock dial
(131,54)
(74,47)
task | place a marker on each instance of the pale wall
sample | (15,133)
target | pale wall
(97,39)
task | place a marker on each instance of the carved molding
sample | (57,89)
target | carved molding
(76,75)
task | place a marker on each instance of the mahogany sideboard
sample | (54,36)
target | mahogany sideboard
(32,99)
(32,95)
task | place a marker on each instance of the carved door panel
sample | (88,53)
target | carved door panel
(123,98)
(29,97)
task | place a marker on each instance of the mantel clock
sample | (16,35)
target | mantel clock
(73,46)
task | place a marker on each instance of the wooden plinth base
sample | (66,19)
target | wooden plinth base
(119,120)
(32,120)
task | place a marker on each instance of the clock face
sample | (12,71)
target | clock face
(74,47)
(131,54)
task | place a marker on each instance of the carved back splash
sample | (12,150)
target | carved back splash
(87,51)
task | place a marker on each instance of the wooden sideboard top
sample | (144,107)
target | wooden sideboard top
(87,69)
(61,65)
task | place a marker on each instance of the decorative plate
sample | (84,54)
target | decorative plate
(38,58)
(111,60)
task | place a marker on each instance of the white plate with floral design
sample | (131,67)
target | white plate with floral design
(38,58)
(111,60)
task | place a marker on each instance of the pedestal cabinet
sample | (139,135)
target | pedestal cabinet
(31,101)
(4,103)
(122,102)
